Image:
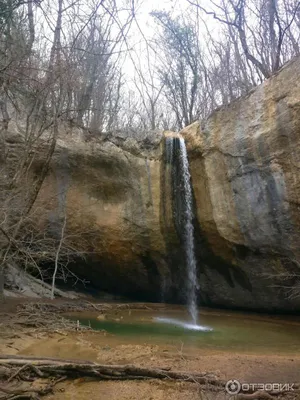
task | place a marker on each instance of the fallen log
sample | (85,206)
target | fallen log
(50,367)
(25,368)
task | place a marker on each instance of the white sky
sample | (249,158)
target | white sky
(148,27)
(144,27)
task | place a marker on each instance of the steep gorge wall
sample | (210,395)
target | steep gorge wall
(244,162)
(111,191)
(245,165)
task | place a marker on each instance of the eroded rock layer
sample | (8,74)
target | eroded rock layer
(245,165)
(245,168)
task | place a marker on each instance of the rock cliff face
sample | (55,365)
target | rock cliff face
(245,165)
(110,187)
(245,168)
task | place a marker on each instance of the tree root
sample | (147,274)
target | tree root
(21,368)
(30,393)
(48,367)
(32,368)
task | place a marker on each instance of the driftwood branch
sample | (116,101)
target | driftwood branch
(23,368)
(56,370)
(48,367)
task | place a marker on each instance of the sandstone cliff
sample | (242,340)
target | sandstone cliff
(245,165)
(245,168)
(110,187)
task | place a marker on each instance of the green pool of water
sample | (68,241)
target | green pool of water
(233,332)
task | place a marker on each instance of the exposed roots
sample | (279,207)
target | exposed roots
(50,371)
(29,393)
(50,367)
(29,369)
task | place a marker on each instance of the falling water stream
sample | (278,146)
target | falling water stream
(189,245)
(177,159)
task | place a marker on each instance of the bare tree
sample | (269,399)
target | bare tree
(267,29)
(17,196)
(93,56)
(181,73)
(58,66)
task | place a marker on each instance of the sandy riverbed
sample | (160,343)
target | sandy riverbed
(106,348)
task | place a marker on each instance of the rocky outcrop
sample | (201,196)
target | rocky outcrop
(244,162)
(109,187)
(245,166)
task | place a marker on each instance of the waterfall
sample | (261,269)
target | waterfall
(178,179)
(189,245)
